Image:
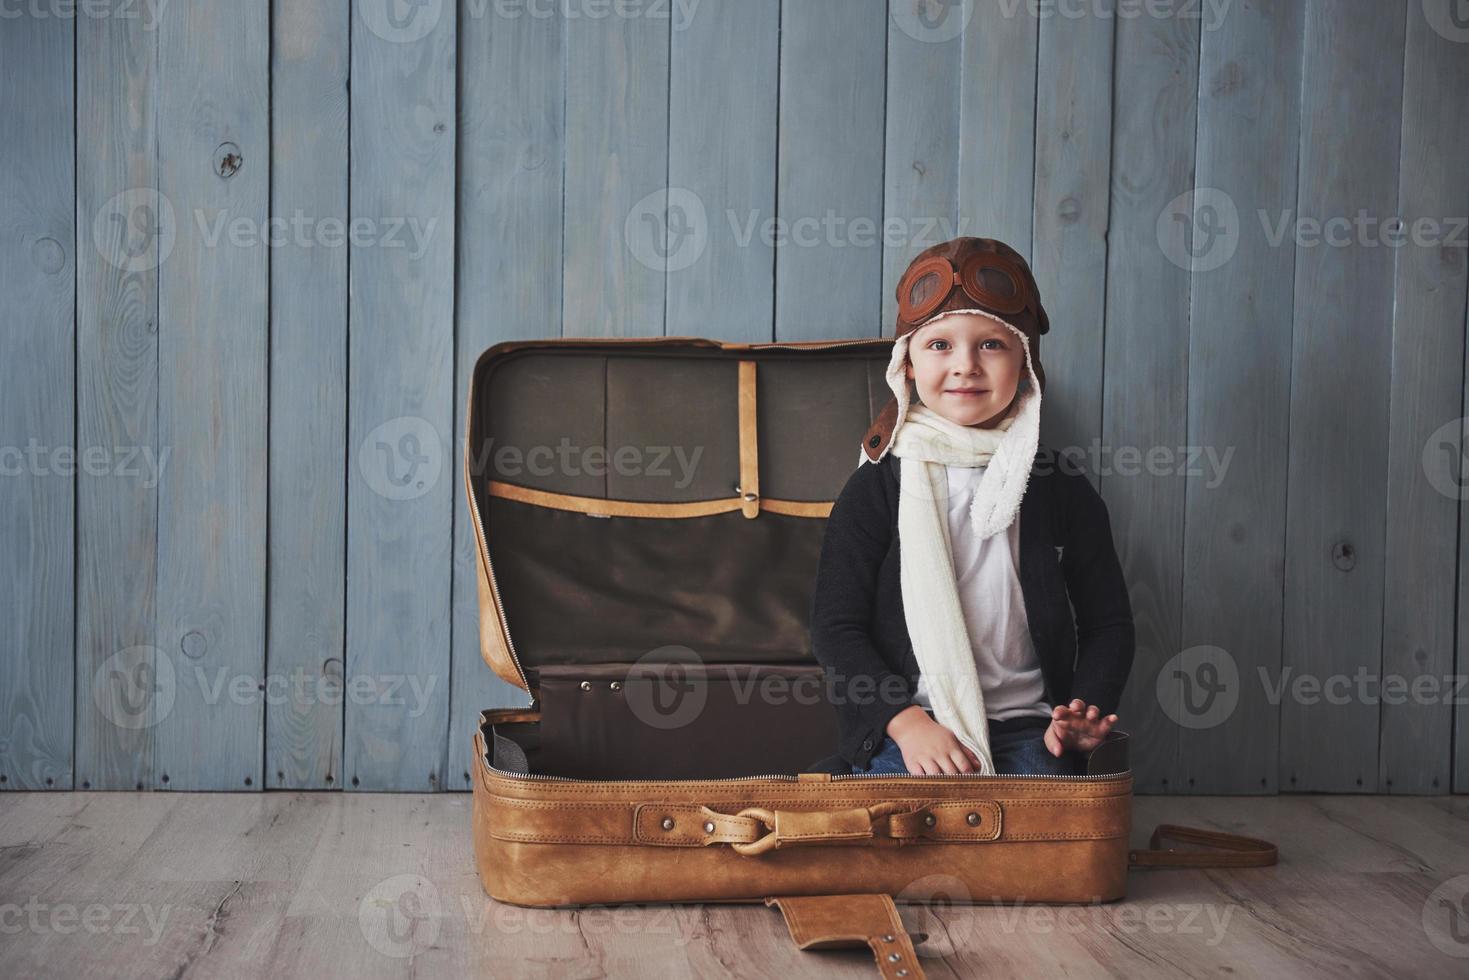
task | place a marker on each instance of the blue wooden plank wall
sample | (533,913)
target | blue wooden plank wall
(249,253)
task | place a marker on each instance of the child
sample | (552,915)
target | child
(974,611)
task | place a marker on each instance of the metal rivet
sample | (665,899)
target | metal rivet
(586,685)
(929,820)
(667,823)
(888,938)
(616,685)
(973,819)
(708,826)
(901,973)
(874,441)
(894,957)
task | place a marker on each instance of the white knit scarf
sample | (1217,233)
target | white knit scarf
(925,443)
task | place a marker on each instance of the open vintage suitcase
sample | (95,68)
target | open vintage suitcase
(648,515)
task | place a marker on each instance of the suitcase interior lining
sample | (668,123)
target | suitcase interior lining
(583,589)
(688,721)
(517,747)
(680,720)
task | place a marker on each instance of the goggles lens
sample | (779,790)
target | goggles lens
(926,292)
(994,281)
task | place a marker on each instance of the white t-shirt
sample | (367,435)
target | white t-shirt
(987,573)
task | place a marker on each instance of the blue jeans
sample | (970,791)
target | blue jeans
(1017,747)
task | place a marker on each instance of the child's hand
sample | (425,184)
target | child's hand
(1077,726)
(928,747)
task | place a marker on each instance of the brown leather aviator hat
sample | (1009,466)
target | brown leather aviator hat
(962,275)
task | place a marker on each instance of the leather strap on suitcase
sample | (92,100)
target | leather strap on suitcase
(849,921)
(846,921)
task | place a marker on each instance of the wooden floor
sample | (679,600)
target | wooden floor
(321,885)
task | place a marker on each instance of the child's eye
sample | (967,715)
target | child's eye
(931,343)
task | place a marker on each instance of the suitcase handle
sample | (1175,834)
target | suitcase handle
(891,819)
(1234,850)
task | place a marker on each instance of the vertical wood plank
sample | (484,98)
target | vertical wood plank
(1342,355)
(400,396)
(308,394)
(1461,622)
(1239,336)
(722,96)
(829,184)
(616,173)
(509,283)
(38,454)
(1073,137)
(997,125)
(124,683)
(1424,421)
(1145,359)
(214,165)
(924,141)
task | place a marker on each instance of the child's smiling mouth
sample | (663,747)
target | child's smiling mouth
(966,391)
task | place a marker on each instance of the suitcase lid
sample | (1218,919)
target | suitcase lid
(658,499)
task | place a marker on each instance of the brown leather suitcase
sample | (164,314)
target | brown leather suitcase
(648,515)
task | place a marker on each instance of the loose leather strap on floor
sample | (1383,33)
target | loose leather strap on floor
(852,921)
(1229,850)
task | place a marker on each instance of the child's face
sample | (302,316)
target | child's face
(966,367)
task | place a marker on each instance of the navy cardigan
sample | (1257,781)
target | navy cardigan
(861,639)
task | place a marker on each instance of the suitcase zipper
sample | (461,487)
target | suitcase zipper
(568,779)
(484,551)
(499,606)
(789,778)
(1002,775)
(823,346)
